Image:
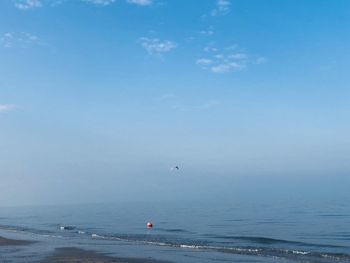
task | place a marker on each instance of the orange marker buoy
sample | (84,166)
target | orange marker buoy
(149,225)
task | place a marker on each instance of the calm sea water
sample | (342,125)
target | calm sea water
(236,231)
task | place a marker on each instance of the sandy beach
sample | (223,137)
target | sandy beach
(77,255)
(13,242)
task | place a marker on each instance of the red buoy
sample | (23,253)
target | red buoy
(149,225)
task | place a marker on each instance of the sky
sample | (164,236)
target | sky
(99,98)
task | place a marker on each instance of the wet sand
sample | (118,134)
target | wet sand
(76,255)
(13,242)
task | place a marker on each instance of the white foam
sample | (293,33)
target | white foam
(191,246)
(300,252)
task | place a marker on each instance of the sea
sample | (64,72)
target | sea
(185,231)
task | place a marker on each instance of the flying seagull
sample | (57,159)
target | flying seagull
(175,168)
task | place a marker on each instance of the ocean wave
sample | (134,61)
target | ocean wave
(174,230)
(294,254)
(297,255)
(271,241)
(25,230)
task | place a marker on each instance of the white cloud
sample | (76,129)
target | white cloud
(204,61)
(227,67)
(27,4)
(238,56)
(31,4)
(226,60)
(223,7)
(6,40)
(6,107)
(260,60)
(208,32)
(207,105)
(10,39)
(140,2)
(156,46)
(100,2)
(210,48)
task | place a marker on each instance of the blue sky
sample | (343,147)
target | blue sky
(101,97)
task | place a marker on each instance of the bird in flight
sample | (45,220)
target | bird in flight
(174,168)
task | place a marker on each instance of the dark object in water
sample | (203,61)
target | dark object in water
(67,227)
